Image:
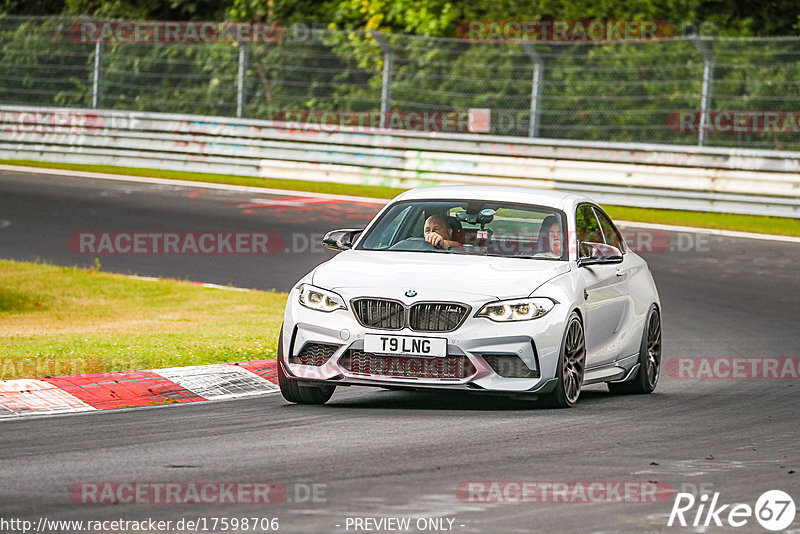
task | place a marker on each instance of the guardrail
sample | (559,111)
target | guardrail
(745,181)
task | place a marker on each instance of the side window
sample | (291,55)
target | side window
(610,232)
(587,227)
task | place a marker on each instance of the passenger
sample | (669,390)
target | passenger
(439,232)
(550,237)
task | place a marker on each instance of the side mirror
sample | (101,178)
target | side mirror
(598,253)
(341,239)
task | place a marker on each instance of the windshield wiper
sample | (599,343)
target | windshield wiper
(526,256)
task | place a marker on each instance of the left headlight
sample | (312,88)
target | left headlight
(517,309)
(320,299)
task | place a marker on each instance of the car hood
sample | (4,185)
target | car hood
(385,273)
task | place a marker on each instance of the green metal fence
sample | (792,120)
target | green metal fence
(620,91)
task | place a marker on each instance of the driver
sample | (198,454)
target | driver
(439,233)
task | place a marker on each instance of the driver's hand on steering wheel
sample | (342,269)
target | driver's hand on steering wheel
(437,240)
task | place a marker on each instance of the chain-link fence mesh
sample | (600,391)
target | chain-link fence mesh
(620,91)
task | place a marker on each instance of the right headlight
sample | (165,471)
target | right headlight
(503,311)
(320,299)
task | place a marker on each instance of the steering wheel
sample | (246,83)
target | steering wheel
(413,243)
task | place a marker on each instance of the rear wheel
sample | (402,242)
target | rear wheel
(649,360)
(292,391)
(571,367)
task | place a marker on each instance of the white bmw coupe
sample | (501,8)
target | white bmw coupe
(498,290)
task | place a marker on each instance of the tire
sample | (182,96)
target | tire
(571,366)
(646,378)
(295,393)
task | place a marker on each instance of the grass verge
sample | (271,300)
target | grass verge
(60,320)
(699,219)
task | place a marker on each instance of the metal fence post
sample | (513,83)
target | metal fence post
(388,66)
(96,83)
(536,88)
(241,97)
(708,82)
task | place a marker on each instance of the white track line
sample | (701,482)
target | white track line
(189,183)
(710,231)
(191,283)
(286,192)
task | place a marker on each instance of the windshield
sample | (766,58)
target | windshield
(478,227)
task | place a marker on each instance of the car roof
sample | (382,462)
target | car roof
(525,195)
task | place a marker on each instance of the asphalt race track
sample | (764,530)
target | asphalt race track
(375,453)
(40,213)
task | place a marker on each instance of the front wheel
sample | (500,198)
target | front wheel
(293,392)
(571,366)
(649,361)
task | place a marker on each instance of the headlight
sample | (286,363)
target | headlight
(320,299)
(516,310)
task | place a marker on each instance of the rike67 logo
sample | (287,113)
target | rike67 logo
(774,510)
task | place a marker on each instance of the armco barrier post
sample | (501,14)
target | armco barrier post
(388,65)
(708,80)
(240,80)
(536,88)
(96,82)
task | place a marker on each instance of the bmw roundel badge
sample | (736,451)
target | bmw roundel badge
(411,293)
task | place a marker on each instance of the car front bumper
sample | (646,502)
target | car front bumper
(536,342)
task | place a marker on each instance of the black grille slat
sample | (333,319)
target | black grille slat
(437,316)
(422,317)
(379,313)
(449,367)
(314,354)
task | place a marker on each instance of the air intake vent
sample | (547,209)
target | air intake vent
(509,366)
(314,354)
(449,367)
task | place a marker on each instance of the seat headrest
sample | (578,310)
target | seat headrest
(455,224)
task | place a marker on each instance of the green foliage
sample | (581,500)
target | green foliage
(436,17)
(38,63)
(145,9)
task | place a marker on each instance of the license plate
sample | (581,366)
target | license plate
(405,345)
